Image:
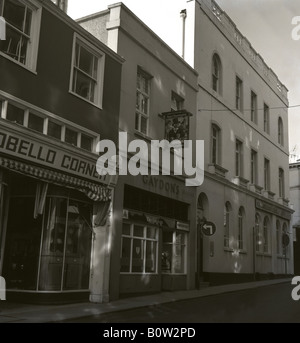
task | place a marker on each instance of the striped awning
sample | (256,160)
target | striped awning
(92,190)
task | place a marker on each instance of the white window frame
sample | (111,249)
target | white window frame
(29,108)
(144,240)
(33,43)
(99,81)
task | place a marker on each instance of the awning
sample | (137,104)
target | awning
(92,190)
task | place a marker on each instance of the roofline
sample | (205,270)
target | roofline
(54,9)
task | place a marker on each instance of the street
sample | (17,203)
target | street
(271,304)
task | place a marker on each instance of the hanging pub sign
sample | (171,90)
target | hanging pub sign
(176,125)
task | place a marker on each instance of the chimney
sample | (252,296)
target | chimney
(183,16)
(62,4)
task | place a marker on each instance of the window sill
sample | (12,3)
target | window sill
(99,106)
(18,63)
(283,201)
(228,249)
(214,168)
(268,194)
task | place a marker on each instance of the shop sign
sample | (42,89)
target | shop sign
(272,209)
(158,184)
(182,226)
(27,148)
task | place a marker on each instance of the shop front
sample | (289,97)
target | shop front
(48,218)
(157,233)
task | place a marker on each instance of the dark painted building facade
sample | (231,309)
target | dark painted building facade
(59,94)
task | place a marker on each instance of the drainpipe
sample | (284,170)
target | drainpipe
(183,16)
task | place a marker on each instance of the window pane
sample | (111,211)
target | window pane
(125,258)
(14,13)
(82,85)
(150,257)
(138,231)
(86,62)
(71,137)
(151,232)
(15,114)
(35,122)
(86,142)
(54,130)
(166,258)
(137,256)
(14,46)
(144,122)
(178,262)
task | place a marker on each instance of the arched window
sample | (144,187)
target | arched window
(216,73)
(215,144)
(241,228)
(280,131)
(266,235)
(278,237)
(227,209)
(257,233)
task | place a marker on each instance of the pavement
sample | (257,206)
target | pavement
(24,313)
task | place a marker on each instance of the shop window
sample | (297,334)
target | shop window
(63,231)
(139,249)
(173,259)
(22,30)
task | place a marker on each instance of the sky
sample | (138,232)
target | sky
(267,24)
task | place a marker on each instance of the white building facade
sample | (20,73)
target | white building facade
(243,119)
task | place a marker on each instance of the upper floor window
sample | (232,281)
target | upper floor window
(238,158)
(142,101)
(177,102)
(215,144)
(280,131)
(281,182)
(253,167)
(87,72)
(22,31)
(53,127)
(266,119)
(253,107)
(216,73)
(238,93)
(266,174)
